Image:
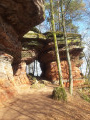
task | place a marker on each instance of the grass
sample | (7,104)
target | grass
(85,97)
(87,82)
(85,91)
(59,93)
(37,86)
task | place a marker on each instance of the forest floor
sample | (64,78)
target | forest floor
(37,104)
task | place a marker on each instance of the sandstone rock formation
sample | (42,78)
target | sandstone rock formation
(41,47)
(16,18)
(47,58)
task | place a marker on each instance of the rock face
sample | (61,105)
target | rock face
(41,47)
(16,18)
(52,72)
(20,76)
(22,14)
(47,58)
(32,45)
(6,77)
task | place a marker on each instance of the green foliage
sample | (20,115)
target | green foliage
(73,11)
(37,85)
(86,97)
(59,93)
(72,38)
(85,91)
(60,34)
(36,30)
(31,77)
(87,82)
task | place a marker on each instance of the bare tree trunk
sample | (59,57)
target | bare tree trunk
(56,45)
(67,51)
(34,68)
(59,14)
(29,68)
(37,67)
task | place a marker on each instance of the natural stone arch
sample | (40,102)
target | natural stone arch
(44,46)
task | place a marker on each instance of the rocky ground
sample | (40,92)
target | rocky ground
(37,104)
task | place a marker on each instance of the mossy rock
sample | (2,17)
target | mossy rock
(36,30)
(32,34)
(59,93)
(87,82)
(61,34)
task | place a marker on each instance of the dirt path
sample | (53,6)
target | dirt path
(38,105)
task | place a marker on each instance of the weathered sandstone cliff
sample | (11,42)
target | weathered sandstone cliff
(16,18)
(41,47)
(47,58)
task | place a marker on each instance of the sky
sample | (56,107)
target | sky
(85,33)
(83,25)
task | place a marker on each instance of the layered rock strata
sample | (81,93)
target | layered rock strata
(41,47)
(47,58)
(16,18)
(7,82)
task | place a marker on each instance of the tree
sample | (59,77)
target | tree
(59,15)
(67,50)
(73,11)
(55,42)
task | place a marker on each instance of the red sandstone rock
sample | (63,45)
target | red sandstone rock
(20,76)
(16,18)
(52,72)
(7,83)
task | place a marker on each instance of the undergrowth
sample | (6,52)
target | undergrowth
(85,97)
(59,93)
(85,91)
(37,86)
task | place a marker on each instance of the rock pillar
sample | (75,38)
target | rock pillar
(16,19)
(6,77)
(10,51)
(6,72)
(20,74)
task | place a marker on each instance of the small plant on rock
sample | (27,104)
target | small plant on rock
(59,93)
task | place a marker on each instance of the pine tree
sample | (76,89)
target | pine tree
(56,45)
(73,11)
(67,50)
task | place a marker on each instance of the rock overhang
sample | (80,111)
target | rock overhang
(22,15)
(44,45)
(17,17)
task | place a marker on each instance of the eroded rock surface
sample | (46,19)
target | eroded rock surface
(22,14)
(48,58)
(52,73)
(7,83)
(20,74)
(41,47)
(16,18)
